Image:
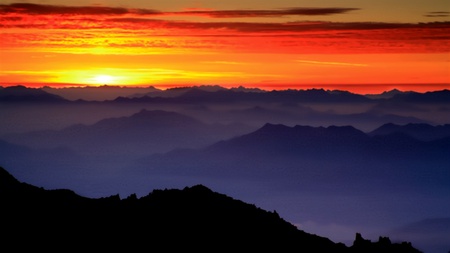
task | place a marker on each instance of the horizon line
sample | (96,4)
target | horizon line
(350,87)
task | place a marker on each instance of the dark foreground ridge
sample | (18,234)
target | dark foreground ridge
(194,218)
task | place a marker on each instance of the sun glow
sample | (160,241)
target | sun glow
(104,79)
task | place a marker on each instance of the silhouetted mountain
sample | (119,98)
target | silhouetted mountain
(178,91)
(23,94)
(194,218)
(383,245)
(278,96)
(222,95)
(244,89)
(423,132)
(144,132)
(285,140)
(441,96)
(378,182)
(304,156)
(258,115)
(386,94)
(97,93)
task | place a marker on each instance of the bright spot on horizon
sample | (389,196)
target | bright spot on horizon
(104,79)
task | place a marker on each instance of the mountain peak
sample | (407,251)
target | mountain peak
(269,127)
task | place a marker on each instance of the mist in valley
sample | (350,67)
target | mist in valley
(331,162)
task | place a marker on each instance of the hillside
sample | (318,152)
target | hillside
(194,218)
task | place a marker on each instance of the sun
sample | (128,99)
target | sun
(104,79)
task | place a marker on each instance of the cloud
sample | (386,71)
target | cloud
(332,63)
(26,15)
(289,27)
(266,13)
(438,14)
(99,29)
(41,9)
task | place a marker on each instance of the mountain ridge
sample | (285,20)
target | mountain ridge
(213,92)
(183,216)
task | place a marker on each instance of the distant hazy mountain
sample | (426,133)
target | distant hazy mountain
(296,114)
(386,94)
(97,93)
(24,94)
(244,89)
(57,165)
(194,218)
(342,157)
(10,153)
(441,96)
(221,95)
(178,91)
(424,132)
(145,132)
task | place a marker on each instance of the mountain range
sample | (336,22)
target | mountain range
(144,132)
(193,218)
(378,161)
(42,110)
(309,157)
(215,94)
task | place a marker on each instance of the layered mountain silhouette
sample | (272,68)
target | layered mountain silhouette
(193,218)
(315,107)
(442,96)
(336,156)
(378,160)
(425,132)
(292,114)
(15,94)
(214,94)
(97,93)
(221,95)
(145,132)
(386,94)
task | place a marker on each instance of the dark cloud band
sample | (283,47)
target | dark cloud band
(438,14)
(40,9)
(267,13)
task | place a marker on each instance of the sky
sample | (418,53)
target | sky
(361,46)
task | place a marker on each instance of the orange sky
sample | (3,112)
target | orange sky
(270,48)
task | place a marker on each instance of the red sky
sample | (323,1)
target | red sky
(356,46)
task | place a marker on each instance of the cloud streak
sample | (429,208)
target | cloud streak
(266,13)
(41,9)
(438,14)
(86,22)
(332,63)
(100,29)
